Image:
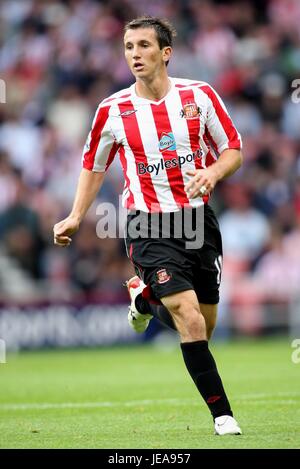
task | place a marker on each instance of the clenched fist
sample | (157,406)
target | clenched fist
(63,231)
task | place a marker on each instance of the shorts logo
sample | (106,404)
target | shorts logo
(167,142)
(162,276)
(190,111)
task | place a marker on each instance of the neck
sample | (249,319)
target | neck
(154,89)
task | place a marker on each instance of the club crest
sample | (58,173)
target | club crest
(190,111)
(162,276)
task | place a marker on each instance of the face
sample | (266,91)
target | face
(144,57)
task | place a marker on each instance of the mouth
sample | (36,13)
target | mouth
(138,66)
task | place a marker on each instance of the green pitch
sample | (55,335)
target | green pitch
(142,397)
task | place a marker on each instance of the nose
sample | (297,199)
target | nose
(136,53)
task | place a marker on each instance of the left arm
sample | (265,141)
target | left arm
(227,143)
(227,164)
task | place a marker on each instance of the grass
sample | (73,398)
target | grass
(142,397)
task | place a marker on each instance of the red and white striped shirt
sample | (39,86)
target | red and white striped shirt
(158,141)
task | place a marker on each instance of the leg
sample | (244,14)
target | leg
(160,312)
(141,310)
(191,325)
(185,312)
(209,313)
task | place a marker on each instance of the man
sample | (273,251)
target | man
(167,132)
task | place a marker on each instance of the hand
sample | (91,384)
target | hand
(63,230)
(202,183)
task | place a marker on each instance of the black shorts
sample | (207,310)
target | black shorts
(167,266)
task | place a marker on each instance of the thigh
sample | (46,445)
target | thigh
(162,265)
(185,311)
(181,300)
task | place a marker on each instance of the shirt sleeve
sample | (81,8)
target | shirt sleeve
(101,146)
(219,126)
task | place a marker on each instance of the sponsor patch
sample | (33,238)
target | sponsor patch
(165,164)
(190,111)
(162,276)
(167,142)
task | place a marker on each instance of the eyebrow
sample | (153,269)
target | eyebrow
(139,42)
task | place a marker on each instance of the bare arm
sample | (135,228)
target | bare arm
(88,186)
(227,164)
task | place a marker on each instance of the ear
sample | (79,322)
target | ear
(167,52)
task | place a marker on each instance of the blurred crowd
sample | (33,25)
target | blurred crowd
(60,58)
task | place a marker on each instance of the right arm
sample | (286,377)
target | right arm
(89,184)
(98,154)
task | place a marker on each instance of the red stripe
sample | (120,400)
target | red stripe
(162,123)
(209,157)
(211,140)
(130,204)
(89,156)
(111,155)
(194,130)
(130,252)
(115,97)
(135,142)
(213,399)
(186,86)
(186,97)
(224,119)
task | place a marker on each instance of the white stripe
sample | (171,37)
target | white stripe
(202,100)
(84,405)
(218,264)
(125,196)
(150,141)
(263,395)
(257,398)
(225,109)
(216,129)
(214,124)
(180,131)
(134,182)
(89,138)
(104,147)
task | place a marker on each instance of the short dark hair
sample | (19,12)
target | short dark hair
(165,31)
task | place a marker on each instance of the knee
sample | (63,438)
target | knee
(189,321)
(185,309)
